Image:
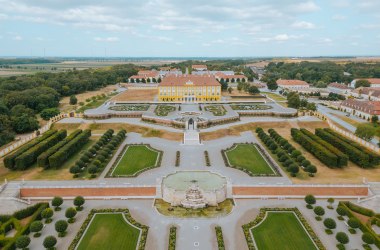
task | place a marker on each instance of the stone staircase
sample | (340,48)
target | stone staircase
(191,137)
(10,198)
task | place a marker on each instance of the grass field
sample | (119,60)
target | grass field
(274,96)
(109,231)
(248,157)
(135,159)
(281,230)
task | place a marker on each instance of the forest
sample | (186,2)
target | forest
(22,97)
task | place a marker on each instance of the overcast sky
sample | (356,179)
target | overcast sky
(251,28)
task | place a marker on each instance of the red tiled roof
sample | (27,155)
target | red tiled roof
(369,107)
(181,80)
(222,75)
(291,82)
(338,86)
(372,80)
(199,66)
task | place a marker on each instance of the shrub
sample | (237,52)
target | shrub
(311,169)
(318,210)
(78,202)
(70,214)
(310,199)
(75,169)
(92,169)
(368,238)
(23,242)
(61,227)
(329,223)
(49,242)
(56,203)
(353,223)
(342,238)
(36,227)
(341,211)
(47,213)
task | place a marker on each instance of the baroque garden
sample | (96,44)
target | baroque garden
(181,164)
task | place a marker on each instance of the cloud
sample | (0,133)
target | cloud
(17,38)
(303,25)
(164,27)
(341,3)
(164,38)
(106,39)
(338,17)
(279,38)
(304,7)
(206,44)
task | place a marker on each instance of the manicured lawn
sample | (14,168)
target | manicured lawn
(281,230)
(275,96)
(135,159)
(109,231)
(248,157)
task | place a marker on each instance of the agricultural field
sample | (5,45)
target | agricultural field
(135,159)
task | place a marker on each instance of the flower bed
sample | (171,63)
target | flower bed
(144,229)
(164,110)
(130,107)
(250,107)
(216,110)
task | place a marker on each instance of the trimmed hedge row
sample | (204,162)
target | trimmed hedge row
(64,153)
(319,151)
(9,243)
(172,238)
(144,229)
(42,159)
(29,157)
(354,154)
(247,227)
(349,207)
(219,238)
(9,160)
(374,158)
(342,158)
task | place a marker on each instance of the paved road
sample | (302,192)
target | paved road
(329,113)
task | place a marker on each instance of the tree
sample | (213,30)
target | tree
(49,242)
(311,169)
(78,202)
(36,227)
(56,203)
(368,238)
(375,119)
(362,83)
(311,106)
(293,100)
(342,238)
(230,90)
(253,90)
(329,223)
(70,214)
(353,223)
(24,124)
(61,227)
(73,100)
(271,84)
(365,131)
(224,85)
(46,114)
(294,169)
(310,199)
(47,213)
(23,242)
(318,210)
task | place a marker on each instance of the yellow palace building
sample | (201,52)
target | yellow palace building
(189,88)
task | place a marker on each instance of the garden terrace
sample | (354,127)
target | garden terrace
(250,158)
(294,233)
(216,110)
(135,159)
(242,106)
(164,110)
(130,107)
(110,229)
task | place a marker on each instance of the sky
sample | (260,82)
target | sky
(189,28)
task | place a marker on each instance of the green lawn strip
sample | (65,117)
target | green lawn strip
(274,96)
(110,231)
(223,209)
(95,103)
(135,159)
(247,156)
(281,230)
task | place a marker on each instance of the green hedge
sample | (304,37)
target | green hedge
(350,208)
(354,154)
(219,238)
(42,159)
(29,157)
(9,160)
(374,158)
(324,155)
(64,153)
(342,158)
(172,238)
